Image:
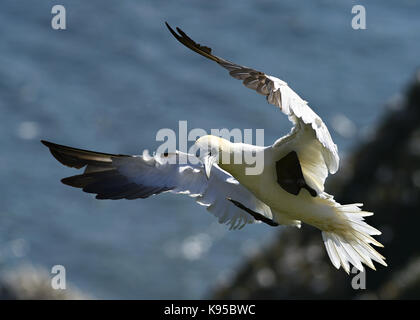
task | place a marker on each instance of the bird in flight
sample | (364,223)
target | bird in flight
(289,189)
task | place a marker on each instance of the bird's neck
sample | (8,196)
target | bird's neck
(231,157)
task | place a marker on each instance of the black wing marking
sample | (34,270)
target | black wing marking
(253,79)
(277,93)
(290,176)
(256,215)
(110,184)
(100,176)
(190,43)
(78,158)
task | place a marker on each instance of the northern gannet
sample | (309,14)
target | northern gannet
(288,191)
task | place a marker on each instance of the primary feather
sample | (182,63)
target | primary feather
(112,176)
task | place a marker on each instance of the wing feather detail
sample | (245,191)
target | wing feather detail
(112,176)
(279,94)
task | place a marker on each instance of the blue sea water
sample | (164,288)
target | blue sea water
(116,76)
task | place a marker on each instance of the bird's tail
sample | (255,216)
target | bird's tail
(351,240)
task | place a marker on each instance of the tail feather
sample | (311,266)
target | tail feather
(351,243)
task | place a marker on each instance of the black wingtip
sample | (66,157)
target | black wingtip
(182,37)
(51,145)
(181,34)
(172,31)
(47,143)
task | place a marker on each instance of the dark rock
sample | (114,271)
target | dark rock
(31,283)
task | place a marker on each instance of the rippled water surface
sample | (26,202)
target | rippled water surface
(116,76)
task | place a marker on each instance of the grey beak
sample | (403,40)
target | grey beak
(208,164)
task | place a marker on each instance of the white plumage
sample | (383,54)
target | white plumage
(190,179)
(288,191)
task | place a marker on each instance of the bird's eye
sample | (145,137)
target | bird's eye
(210,153)
(197,153)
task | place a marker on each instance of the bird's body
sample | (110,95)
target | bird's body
(318,211)
(284,185)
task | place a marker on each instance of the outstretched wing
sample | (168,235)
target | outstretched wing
(321,152)
(112,176)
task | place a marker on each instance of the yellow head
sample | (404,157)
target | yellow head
(214,150)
